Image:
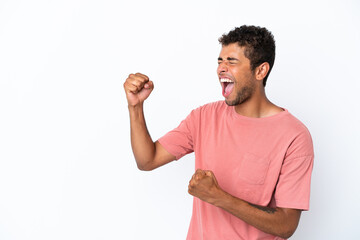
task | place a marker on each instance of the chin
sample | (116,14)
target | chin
(238,100)
(233,102)
(230,103)
(240,97)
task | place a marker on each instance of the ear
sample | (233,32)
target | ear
(261,71)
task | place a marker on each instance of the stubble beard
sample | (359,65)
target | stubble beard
(243,95)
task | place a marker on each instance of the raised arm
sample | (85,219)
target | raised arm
(148,154)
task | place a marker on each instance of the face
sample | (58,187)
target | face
(235,75)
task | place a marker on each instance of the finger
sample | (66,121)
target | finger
(199,171)
(137,83)
(209,173)
(191,184)
(139,76)
(212,175)
(133,85)
(190,192)
(149,85)
(142,75)
(130,88)
(199,176)
(192,178)
(137,80)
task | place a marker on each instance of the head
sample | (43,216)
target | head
(258,44)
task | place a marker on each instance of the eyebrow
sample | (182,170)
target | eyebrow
(229,59)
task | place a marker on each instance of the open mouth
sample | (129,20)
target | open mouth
(227,86)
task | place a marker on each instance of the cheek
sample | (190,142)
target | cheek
(242,76)
(238,77)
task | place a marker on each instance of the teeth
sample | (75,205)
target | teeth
(225,80)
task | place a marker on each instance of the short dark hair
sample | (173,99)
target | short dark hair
(259,45)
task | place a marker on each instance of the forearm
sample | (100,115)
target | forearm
(142,145)
(276,221)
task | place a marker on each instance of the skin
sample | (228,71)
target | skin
(148,154)
(252,102)
(249,99)
(280,222)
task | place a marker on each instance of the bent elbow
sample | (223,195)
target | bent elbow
(288,232)
(144,167)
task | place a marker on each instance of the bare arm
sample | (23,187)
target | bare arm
(280,222)
(148,155)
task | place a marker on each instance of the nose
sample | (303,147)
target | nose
(222,67)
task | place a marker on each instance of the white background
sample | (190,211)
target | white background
(66,166)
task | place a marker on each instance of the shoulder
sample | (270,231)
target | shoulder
(293,123)
(208,112)
(301,137)
(212,107)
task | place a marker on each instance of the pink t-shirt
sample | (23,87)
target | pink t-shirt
(265,161)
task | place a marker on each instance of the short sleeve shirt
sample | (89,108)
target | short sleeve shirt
(264,161)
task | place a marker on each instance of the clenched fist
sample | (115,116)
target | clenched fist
(204,185)
(137,88)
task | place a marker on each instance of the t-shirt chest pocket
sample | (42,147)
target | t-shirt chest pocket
(253,169)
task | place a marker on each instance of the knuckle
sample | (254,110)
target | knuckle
(127,86)
(132,88)
(141,75)
(200,171)
(135,83)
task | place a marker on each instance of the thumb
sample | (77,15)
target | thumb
(212,175)
(149,85)
(209,173)
(146,91)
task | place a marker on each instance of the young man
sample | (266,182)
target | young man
(253,158)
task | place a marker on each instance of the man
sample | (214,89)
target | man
(253,158)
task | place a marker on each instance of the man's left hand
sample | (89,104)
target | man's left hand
(204,186)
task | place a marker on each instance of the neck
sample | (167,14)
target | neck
(257,106)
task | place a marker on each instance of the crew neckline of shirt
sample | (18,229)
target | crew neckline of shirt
(241,117)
